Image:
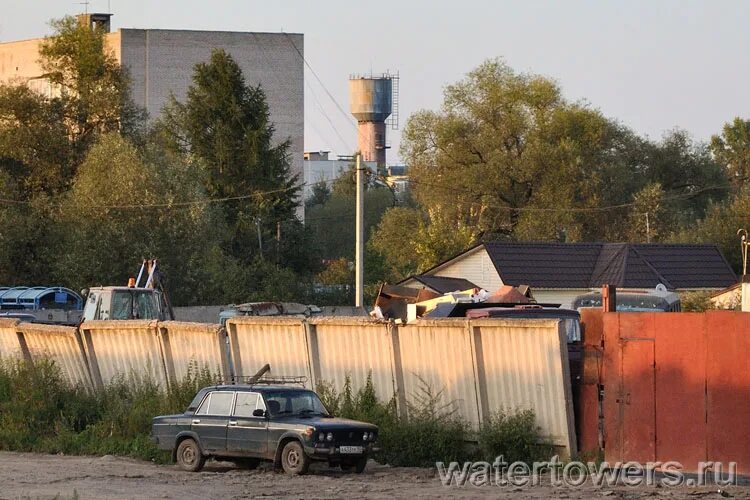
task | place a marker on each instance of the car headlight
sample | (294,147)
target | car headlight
(365,436)
(329,436)
(322,436)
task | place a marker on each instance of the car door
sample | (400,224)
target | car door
(211,420)
(248,434)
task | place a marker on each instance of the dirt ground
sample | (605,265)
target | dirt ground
(32,476)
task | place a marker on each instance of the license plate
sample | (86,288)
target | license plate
(350,449)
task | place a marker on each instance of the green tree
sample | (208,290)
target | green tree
(688,174)
(225,123)
(732,150)
(92,88)
(506,155)
(395,239)
(320,194)
(34,143)
(720,225)
(647,215)
(333,224)
(109,230)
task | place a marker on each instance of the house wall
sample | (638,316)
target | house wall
(731,299)
(476,267)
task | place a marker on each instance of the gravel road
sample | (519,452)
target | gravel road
(32,476)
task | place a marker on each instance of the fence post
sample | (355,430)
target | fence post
(398,370)
(313,353)
(609,298)
(88,345)
(166,353)
(480,376)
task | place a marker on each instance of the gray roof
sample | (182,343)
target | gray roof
(625,265)
(443,284)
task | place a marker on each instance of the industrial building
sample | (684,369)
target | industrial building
(319,167)
(160,63)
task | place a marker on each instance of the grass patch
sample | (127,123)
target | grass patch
(40,412)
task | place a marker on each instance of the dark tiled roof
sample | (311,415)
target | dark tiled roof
(442,284)
(545,265)
(629,265)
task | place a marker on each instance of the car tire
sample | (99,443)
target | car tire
(189,456)
(247,463)
(360,464)
(294,461)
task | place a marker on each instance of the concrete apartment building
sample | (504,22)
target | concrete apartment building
(161,62)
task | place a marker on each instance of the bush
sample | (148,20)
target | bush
(432,432)
(515,436)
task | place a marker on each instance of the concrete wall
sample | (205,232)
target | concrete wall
(480,367)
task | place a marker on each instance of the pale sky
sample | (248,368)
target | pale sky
(653,65)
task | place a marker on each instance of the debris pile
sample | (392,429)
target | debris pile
(405,305)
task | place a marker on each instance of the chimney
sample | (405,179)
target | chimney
(94,21)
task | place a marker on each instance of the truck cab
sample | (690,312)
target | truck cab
(123,303)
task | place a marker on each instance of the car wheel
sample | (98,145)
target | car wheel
(247,463)
(360,464)
(189,456)
(293,459)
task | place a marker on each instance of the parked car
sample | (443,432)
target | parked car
(247,424)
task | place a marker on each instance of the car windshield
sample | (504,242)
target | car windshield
(295,402)
(124,307)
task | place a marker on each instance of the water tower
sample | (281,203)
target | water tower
(372,100)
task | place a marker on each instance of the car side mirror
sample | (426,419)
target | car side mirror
(259,413)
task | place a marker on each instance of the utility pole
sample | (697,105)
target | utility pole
(648,229)
(359,252)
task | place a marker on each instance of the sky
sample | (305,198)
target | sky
(653,65)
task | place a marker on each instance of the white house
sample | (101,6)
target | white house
(559,272)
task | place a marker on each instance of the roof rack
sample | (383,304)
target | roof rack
(261,378)
(272,380)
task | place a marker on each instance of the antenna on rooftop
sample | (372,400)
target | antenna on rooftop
(85,4)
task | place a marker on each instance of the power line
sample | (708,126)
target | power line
(562,209)
(346,115)
(175,204)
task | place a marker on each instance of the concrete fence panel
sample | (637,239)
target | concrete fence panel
(438,355)
(193,346)
(280,342)
(123,349)
(355,348)
(60,344)
(10,345)
(523,364)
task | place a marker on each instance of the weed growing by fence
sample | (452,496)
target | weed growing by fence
(513,435)
(41,412)
(433,431)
